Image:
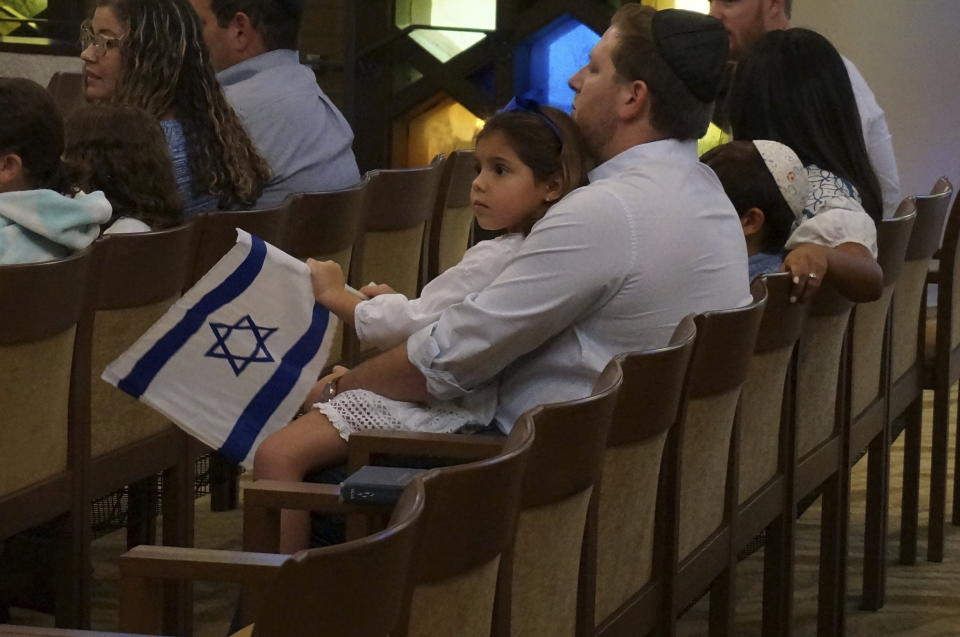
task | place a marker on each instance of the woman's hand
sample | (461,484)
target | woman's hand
(327,279)
(376,289)
(808,263)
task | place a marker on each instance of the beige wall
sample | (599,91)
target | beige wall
(39,68)
(909,53)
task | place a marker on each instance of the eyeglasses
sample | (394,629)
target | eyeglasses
(101,43)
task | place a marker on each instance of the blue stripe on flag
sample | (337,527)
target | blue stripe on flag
(259,410)
(150,364)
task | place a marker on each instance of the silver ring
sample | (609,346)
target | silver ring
(812,275)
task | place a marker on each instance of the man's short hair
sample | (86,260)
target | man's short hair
(674,110)
(277,21)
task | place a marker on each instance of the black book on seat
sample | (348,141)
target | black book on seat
(377,485)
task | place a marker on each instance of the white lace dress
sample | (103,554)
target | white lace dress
(387,320)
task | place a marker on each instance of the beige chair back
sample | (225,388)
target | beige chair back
(452,225)
(870,319)
(397,206)
(909,296)
(468,526)
(326,226)
(626,538)
(563,467)
(760,416)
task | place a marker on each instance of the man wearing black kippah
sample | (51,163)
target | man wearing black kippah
(748,20)
(615,265)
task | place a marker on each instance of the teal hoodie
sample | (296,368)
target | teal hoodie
(39,225)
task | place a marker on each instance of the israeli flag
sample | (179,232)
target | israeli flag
(232,360)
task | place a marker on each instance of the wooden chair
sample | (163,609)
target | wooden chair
(763,441)
(398,205)
(44,402)
(908,352)
(467,530)
(217,236)
(356,589)
(820,465)
(326,226)
(870,390)
(627,541)
(538,592)
(218,233)
(67,91)
(137,277)
(698,458)
(941,371)
(452,223)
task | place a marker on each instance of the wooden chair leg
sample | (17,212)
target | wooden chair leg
(74,576)
(141,512)
(177,503)
(910,504)
(224,490)
(938,473)
(832,564)
(723,595)
(778,578)
(955,516)
(874,544)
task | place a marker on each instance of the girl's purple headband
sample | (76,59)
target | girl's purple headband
(527,105)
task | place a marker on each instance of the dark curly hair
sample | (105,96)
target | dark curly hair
(121,150)
(31,127)
(166,68)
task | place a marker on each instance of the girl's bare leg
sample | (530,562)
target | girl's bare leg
(309,442)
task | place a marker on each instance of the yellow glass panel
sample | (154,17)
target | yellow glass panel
(20,10)
(446,127)
(713,138)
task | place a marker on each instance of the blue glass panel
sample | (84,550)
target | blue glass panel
(549,57)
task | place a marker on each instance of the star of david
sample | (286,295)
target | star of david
(244,335)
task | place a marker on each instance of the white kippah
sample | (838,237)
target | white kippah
(788,172)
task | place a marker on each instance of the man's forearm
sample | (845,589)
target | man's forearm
(390,374)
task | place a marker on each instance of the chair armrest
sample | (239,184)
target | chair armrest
(145,572)
(263,500)
(178,563)
(362,446)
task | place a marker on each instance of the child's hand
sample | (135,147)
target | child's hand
(808,263)
(327,278)
(376,289)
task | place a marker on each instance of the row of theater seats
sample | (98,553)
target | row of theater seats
(613,514)
(68,438)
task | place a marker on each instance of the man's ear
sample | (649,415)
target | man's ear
(635,99)
(11,171)
(247,38)
(752,221)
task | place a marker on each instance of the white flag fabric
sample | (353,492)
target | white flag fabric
(232,360)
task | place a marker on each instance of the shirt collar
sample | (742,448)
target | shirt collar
(662,149)
(250,67)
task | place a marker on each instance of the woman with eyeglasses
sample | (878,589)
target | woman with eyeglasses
(150,54)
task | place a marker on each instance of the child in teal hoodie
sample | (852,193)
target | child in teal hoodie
(42,217)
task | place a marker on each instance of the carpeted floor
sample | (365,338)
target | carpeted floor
(922,600)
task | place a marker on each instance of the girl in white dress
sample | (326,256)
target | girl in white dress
(527,157)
